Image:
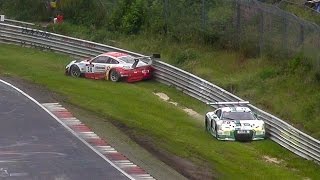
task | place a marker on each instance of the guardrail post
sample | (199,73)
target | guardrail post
(1,18)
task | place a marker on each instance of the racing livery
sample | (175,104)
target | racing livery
(114,66)
(234,123)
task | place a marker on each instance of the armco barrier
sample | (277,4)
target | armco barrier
(280,131)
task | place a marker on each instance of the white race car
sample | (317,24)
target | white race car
(234,123)
(114,66)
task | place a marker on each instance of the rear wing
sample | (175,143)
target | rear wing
(228,103)
(146,59)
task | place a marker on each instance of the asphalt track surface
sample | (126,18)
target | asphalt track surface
(34,146)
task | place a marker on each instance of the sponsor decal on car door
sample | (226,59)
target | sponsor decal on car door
(100,70)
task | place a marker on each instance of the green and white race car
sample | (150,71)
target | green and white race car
(234,123)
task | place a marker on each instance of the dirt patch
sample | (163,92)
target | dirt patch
(162,96)
(192,113)
(272,160)
(189,111)
(185,167)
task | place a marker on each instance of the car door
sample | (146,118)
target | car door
(96,69)
(100,64)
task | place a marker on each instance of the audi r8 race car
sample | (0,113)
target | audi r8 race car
(114,66)
(234,123)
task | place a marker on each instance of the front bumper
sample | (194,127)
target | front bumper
(66,72)
(240,135)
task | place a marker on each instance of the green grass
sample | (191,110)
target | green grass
(286,88)
(168,127)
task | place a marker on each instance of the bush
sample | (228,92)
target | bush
(84,12)
(317,76)
(26,10)
(129,16)
(268,73)
(186,55)
(299,63)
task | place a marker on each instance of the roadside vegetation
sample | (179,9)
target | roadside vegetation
(286,87)
(298,8)
(135,107)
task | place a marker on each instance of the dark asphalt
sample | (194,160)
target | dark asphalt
(34,146)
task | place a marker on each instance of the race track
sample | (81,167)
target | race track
(33,145)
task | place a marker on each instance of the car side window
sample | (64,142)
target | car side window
(113,61)
(218,113)
(100,59)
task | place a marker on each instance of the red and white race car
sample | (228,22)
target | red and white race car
(114,66)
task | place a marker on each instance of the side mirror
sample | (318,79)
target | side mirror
(215,116)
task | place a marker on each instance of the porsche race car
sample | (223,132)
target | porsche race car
(234,123)
(114,66)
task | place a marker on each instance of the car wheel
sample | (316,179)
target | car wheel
(114,76)
(216,132)
(75,71)
(206,123)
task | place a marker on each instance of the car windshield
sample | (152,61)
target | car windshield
(237,116)
(127,59)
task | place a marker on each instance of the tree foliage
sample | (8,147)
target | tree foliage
(32,10)
(181,20)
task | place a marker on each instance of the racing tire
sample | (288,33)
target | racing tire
(206,123)
(75,71)
(216,132)
(114,76)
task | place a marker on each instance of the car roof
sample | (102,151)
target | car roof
(235,109)
(114,54)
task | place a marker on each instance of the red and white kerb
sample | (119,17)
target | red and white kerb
(97,143)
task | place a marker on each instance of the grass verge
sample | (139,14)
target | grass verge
(286,88)
(166,126)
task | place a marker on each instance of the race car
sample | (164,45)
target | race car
(234,123)
(114,66)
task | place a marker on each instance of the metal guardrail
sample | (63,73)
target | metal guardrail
(281,132)
(3,19)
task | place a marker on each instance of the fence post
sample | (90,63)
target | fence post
(165,14)
(301,39)
(261,32)
(285,37)
(238,23)
(203,19)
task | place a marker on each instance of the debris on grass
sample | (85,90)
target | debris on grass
(189,111)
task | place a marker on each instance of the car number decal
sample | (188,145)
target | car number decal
(89,68)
